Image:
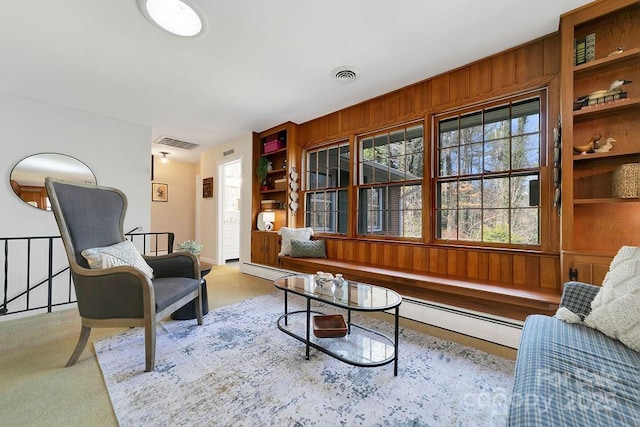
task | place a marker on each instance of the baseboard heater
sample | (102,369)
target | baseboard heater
(484,326)
(495,329)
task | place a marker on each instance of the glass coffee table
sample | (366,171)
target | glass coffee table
(360,346)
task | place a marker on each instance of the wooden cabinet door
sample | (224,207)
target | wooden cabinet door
(272,248)
(589,268)
(265,246)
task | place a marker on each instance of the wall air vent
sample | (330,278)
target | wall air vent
(171,142)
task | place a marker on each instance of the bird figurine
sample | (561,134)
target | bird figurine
(606,147)
(614,89)
(589,147)
(618,51)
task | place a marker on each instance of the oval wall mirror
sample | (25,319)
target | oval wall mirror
(27,176)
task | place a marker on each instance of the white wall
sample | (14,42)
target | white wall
(118,152)
(209,221)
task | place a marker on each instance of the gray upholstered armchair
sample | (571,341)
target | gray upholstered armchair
(91,216)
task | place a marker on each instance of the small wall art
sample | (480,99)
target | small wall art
(159,192)
(207,187)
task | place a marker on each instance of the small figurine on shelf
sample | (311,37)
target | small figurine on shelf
(604,95)
(589,147)
(618,51)
(606,147)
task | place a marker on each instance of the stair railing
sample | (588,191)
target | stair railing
(52,285)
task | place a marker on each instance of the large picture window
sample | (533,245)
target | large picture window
(391,169)
(488,173)
(327,178)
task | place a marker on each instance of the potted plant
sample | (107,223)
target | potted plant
(262,170)
(190,246)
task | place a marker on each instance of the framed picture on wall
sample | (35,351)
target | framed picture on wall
(159,192)
(207,187)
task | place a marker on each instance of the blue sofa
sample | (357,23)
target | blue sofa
(571,375)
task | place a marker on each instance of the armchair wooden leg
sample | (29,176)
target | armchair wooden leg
(150,345)
(82,342)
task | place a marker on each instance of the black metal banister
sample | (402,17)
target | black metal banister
(10,262)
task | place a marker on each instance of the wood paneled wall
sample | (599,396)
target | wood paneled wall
(531,66)
(519,270)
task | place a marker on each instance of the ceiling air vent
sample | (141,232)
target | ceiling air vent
(171,142)
(344,74)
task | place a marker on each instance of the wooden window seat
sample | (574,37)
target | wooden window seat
(482,296)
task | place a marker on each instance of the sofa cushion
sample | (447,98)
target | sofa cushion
(571,375)
(124,253)
(288,234)
(615,311)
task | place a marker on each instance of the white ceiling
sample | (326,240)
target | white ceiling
(261,63)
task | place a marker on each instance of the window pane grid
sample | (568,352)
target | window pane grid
(325,198)
(487,174)
(391,169)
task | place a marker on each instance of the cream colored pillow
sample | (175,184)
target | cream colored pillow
(289,234)
(615,311)
(124,253)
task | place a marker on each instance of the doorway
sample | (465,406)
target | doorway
(231,180)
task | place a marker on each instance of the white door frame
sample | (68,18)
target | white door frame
(220,207)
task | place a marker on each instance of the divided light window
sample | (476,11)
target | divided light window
(488,173)
(391,169)
(327,180)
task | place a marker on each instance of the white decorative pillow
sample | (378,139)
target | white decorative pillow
(124,253)
(615,311)
(289,234)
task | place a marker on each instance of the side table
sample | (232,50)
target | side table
(188,311)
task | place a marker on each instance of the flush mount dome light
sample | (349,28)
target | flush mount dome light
(178,17)
(344,74)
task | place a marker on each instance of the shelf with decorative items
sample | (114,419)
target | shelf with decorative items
(274,154)
(604,108)
(600,105)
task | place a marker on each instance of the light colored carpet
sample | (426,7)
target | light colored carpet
(239,369)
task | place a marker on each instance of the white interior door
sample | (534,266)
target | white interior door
(231,181)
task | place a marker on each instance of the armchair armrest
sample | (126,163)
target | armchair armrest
(177,264)
(577,297)
(116,292)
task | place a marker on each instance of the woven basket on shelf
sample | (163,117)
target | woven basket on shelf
(626,181)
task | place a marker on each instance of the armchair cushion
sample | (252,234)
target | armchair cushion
(124,253)
(167,290)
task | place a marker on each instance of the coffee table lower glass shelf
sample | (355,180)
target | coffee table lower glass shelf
(361,346)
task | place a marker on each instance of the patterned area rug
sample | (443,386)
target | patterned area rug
(239,369)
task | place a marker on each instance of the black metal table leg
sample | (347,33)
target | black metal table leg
(286,310)
(395,362)
(308,323)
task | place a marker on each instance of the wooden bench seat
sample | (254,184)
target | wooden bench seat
(482,296)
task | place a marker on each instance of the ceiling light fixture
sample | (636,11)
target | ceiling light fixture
(344,74)
(179,17)
(164,159)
